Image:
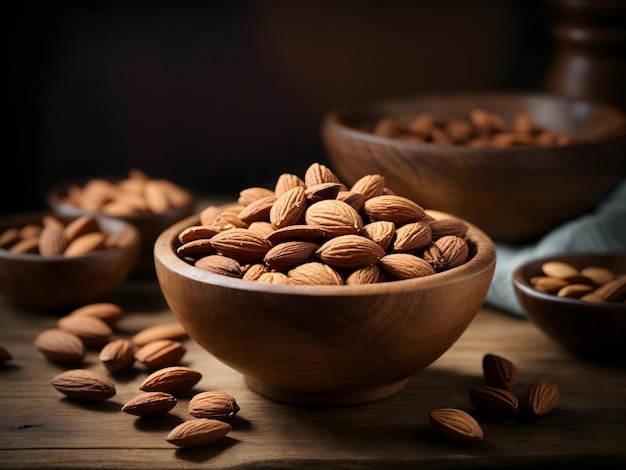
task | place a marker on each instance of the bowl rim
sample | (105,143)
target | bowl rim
(522,284)
(332,122)
(483,261)
(129,242)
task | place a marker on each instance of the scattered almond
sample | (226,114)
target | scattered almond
(60,346)
(150,404)
(542,396)
(160,353)
(118,355)
(493,400)
(105,311)
(456,425)
(198,432)
(499,372)
(174,380)
(83,384)
(173,331)
(213,404)
(93,331)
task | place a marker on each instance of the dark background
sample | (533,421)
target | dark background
(221,95)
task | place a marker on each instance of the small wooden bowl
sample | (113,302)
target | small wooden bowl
(325,345)
(56,282)
(514,194)
(149,225)
(591,330)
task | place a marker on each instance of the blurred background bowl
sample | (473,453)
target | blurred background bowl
(514,194)
(592,330)
(149,224)
(30,280)
(325,345)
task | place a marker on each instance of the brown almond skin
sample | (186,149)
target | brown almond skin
(118,355)
(350,252)
(150,404)
(288,255)
(213,404)
(499,372)
(60,346)
(198,432)
(160,353)
(493,400)
(542,396)
(173,331)
(174,380)
(83,384)
(93,331)
(456,425)
(106,311)
(219,264)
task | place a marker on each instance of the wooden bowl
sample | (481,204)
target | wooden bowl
(591,330)
(514,194)
(56,282)
(325,345)
(149,225)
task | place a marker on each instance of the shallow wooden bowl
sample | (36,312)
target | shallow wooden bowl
(325,345)
(150,226)
(56,282)
(591,330)
(514,194)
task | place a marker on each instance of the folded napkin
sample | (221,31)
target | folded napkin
(600,231)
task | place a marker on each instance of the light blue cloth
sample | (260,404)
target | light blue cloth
(602,231)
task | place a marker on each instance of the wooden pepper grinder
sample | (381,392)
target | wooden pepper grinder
(590,57)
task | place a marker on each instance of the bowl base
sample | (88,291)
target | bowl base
(339,398)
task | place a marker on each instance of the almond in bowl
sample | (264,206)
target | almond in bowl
(291,323)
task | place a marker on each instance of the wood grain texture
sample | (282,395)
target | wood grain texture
(41,429)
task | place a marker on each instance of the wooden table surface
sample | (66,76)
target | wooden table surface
(40,428)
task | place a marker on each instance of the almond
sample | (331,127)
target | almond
(350,252)
(249,195)
(442,227)
(574,291)
(287,181)
(295,232)
(150,404)
(598,275)
(369,186)
(366,275)
(381,232)
(92,331)
(83,384)
(261,228)
(456,425)
(314,274)
(172,331)
(319,192)
(548,283)
(219,264)
(289,209)
(196,248)
(454,250)
(396,209)
(613,291)
(26,245)
(405,266)
(542,396)
(173,379)
(432,254)
(334,217)
(241,244)
(493,400)
(214,405)
(229,219)
(52,240)
(160,353)
(254,271)
(198,432)
(106,311)
(317,173)
(412,236)
(287,255)
(156,197)
(258,210)
(273,277)
(10,236)
(85,244)
(355,200)
(196,232)
(80,226)
(117,355)
(60,346)
(558,269)
(499,372)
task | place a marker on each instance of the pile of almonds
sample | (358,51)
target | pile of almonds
(316,230)
(135,194)
(157,348)
(482,128)
(592,283)
(495,399)
(52,237)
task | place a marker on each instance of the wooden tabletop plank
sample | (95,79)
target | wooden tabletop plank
(42,429)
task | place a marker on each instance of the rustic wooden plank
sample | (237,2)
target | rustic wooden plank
(42,429)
